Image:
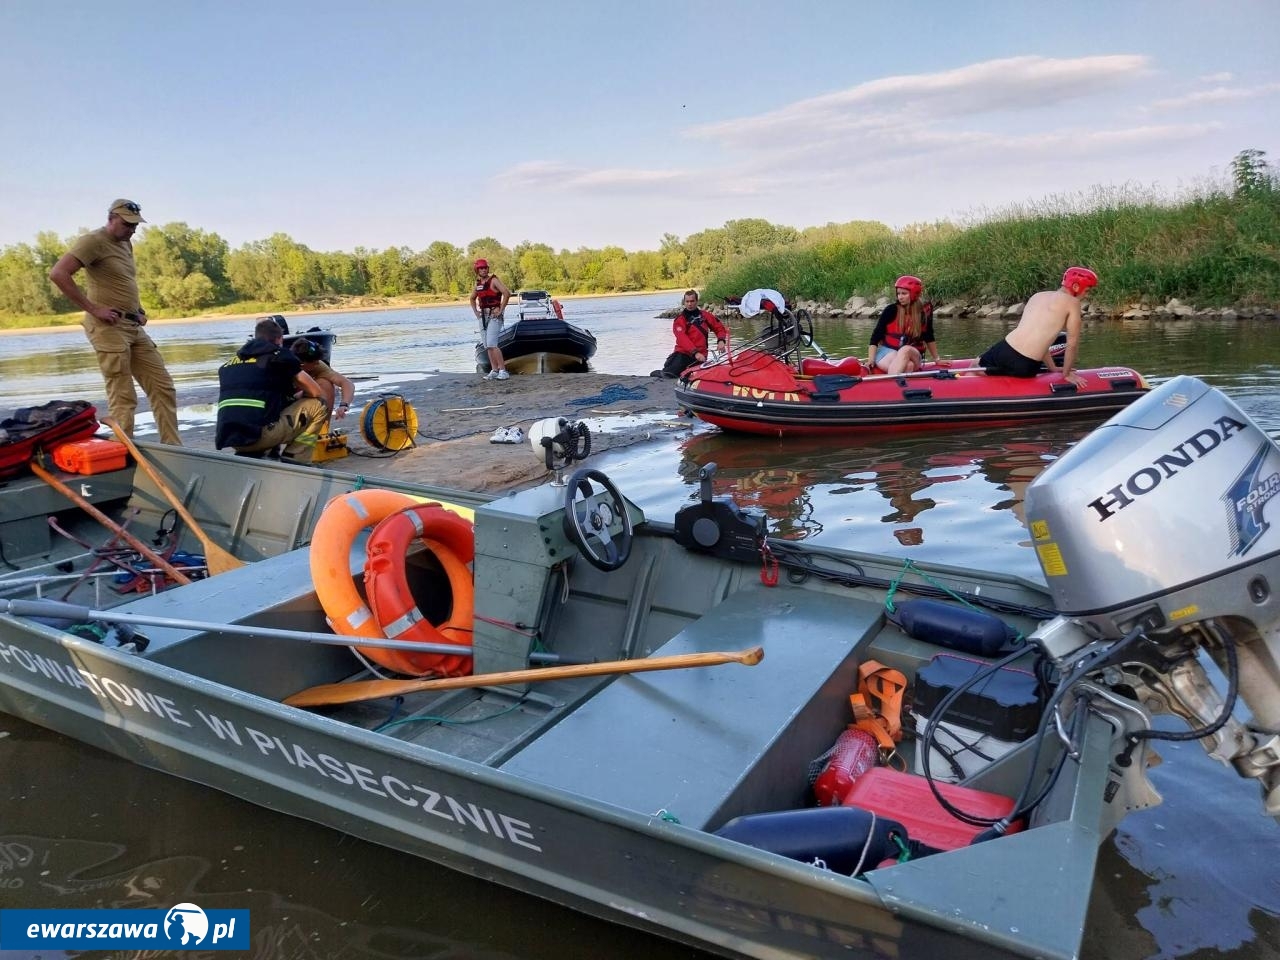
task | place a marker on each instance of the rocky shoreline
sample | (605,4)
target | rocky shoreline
(863,308)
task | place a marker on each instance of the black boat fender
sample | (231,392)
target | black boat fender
(953,626)
(845,840)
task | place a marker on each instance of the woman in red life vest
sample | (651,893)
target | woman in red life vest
(488,301)
(905,330)
(691,328)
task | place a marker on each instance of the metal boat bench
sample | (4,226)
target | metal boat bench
(636,742)
(278,591)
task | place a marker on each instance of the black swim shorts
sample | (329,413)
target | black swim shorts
(1002,359)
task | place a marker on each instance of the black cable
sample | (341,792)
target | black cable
(791,557)
(1228,706)
(931,727)
(1022,805)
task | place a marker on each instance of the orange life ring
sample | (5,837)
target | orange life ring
(558,308)
(343,518)
(335,532)
(451,539)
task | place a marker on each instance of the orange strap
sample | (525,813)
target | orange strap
(877,706)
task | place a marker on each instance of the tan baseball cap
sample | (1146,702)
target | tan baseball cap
(127,210)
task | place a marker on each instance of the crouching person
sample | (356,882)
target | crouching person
(257,411)
(692,328)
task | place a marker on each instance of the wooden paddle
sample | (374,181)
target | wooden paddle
(327,694)
(216,559)
(160,562)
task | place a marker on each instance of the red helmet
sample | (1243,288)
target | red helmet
(913,285)
(482,262)
(1079,279)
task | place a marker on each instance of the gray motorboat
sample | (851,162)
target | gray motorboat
(675,800)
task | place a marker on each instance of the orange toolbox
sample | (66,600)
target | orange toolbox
(94,455)
(907,798)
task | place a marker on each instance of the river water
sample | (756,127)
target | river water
(1196,877)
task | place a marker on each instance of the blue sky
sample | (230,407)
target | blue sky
(397,123)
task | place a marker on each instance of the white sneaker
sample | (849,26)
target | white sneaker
(492,375)
(503,375)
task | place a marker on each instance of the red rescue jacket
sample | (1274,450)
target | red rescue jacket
(691,335)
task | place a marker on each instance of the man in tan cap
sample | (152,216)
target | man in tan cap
(114,319)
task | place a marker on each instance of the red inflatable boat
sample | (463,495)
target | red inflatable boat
(756,391)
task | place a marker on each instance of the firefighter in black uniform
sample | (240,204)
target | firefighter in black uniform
(256,407)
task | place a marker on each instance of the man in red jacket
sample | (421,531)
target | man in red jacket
(691,328)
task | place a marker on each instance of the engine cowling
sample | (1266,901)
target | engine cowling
(1158,521)
(1162,513)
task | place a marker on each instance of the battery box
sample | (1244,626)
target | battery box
(1005,705)
(94,455)
(988,720)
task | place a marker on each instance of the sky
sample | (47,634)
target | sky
(402,122)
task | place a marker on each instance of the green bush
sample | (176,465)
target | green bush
(1213,247)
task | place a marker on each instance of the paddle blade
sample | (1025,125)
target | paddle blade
(216,559)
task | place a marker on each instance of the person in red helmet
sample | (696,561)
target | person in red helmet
(488,302)
(1047,313)
(904,331)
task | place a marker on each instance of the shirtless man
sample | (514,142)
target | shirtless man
(1046,314)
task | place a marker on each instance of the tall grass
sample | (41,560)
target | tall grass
(1209,246)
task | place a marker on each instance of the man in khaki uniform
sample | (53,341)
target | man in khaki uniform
(114,319)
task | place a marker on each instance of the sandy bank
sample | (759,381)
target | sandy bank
(458,413)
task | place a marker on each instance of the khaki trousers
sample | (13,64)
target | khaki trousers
(125,354)
(300,425)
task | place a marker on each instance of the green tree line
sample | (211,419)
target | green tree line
(184,270)
(1217,245)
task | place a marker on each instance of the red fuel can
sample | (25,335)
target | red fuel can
(907,799)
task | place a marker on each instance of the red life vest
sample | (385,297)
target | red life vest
(486,297)
(894,337)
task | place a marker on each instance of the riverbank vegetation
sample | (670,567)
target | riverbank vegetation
(1218,244)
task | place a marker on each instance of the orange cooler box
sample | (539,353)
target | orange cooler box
(94,455)
(908,799)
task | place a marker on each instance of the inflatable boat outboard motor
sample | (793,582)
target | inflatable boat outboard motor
(1155,537)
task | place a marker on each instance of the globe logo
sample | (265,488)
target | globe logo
(186,925)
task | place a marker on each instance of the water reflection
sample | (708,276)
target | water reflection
(950,494)
(151,840)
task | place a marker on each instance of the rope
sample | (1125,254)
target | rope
(611,394)
(390,723)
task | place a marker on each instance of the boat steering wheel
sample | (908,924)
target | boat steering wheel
(587,521)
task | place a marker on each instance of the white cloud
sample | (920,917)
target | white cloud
(1014,83)
(918,130)
(1216,95)
(1216,78)
(550,175)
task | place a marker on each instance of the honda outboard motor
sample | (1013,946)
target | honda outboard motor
(1153,536)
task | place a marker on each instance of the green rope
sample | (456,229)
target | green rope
(904,851)
(443,721)
(909,565)
(667,815)
(359,484)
